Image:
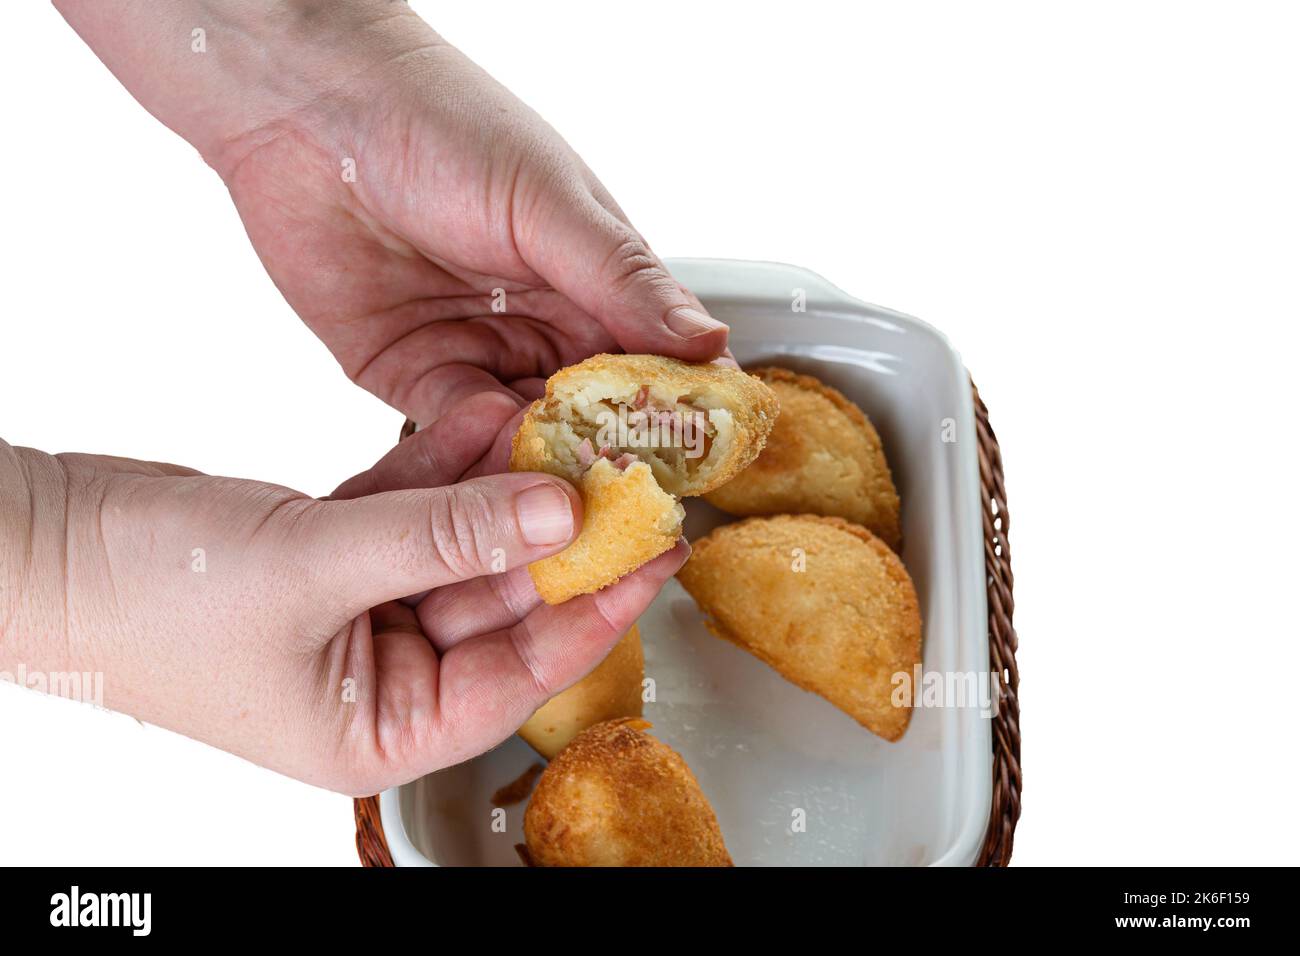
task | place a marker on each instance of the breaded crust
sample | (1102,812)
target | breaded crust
(823,457)
(630,517)
(612,690)
(529,450)
(841,628)
(616,796)
(627,520)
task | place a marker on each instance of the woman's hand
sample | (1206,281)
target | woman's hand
(437,234)
(450,249)
(269,624)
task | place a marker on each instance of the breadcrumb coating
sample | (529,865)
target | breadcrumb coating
(616,796)
(841,627)
(823,457)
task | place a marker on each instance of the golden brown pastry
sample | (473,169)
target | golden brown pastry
(618,797)
(612,690)
(634,433)
(823,457)
(842,627)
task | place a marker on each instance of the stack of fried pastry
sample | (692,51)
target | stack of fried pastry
(809,582)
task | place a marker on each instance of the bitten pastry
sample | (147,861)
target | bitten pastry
(618,797)
(822,601)
(612,690)
(634,433)
(823,457)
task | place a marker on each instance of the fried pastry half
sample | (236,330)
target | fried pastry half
(635,433)
(612,690)
(823,457)
(616,796)
(822,601)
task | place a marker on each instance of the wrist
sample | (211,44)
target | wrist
(229,75)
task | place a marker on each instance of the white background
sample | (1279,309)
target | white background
(1099,205)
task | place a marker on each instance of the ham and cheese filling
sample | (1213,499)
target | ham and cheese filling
(673,433)
(680,437)
(587,455)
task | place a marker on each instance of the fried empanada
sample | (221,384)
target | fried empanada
(616,796)
(612,690)
(822,601)
(634,433)
(823,457)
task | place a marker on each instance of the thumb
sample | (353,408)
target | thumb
(600,262)
(366,551)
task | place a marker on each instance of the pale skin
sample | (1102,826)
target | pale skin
(361,641)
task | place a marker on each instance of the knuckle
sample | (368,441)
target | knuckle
(508,590)
(544,685)
(458,523)
(426,454)
(631,262)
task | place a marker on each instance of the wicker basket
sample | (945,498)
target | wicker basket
(1005,811)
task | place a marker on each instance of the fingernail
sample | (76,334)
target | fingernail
(688,323)
(545,514)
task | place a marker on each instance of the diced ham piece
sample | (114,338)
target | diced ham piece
(587,456)
(642,396)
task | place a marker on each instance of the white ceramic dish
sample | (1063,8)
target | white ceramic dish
(761,748)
